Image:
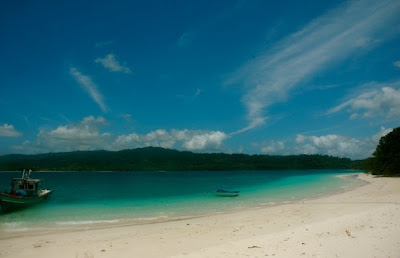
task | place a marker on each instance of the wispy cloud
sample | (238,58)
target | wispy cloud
(382,101)
(185,39)
(7,130)
(127,117)
(90,87)
(397,64)
(198,92)
(192,96)
(112,64)
(323,42)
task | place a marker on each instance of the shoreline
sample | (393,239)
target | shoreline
(12,229)
(361,222)
(179,171)
(72,226)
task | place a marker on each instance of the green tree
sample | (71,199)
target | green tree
(156,159)
(386,160)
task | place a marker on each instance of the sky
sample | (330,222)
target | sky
(256,77)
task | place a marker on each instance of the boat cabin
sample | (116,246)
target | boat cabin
(26,186)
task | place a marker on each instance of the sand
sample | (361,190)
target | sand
(364,222)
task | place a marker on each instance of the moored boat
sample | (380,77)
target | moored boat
(221,192)
(24,192)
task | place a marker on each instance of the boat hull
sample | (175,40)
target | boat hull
(225,193)
(12,202)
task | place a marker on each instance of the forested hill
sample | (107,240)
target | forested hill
(159,159)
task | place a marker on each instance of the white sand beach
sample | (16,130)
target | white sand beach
(364,222)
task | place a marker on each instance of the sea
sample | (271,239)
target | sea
(90,199)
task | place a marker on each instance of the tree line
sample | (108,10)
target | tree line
(159,159)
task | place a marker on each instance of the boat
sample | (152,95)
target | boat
(221,192)
(24,192)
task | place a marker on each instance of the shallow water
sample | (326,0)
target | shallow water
(90,198)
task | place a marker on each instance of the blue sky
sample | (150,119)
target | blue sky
(256,77)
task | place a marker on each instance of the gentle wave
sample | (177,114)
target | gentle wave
(85,222)
(14,227)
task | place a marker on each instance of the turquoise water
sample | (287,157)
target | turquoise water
(90,198)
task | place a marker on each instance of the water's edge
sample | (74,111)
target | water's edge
(253,198)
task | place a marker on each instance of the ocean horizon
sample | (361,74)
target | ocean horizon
(87,199)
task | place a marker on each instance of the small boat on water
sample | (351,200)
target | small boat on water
(221,192)
(24,192)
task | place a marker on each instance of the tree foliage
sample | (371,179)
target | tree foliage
(159,159)
(386,158)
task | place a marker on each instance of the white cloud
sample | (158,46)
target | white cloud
(330,144)
(322,43)
(90,87)
(84,135)
(397,64)
(160,138)
(382,102)
(157,138)
(7,130)
(192,140)
(88,134)
(198,140)
(384,131)
(334,145)
(338,145)
(273,147)
(113,65)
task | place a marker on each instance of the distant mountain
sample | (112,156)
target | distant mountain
(159,159)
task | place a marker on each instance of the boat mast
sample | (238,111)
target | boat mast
(25,175)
